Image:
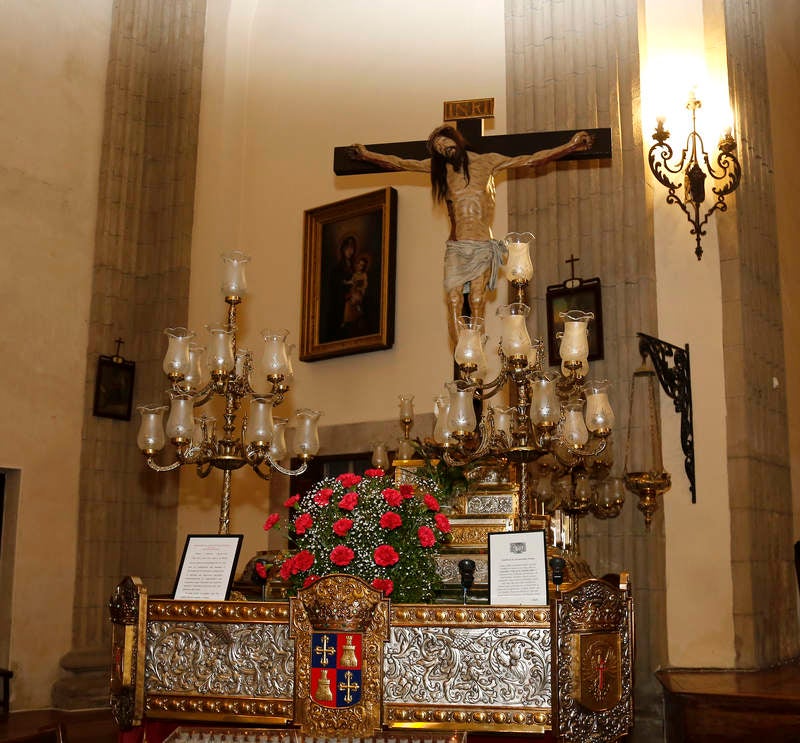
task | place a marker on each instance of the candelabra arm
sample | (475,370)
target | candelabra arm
(486,390)
(291,473)
(676,381)
(264,475)
(485,437)
(569,456)
(153,465)
(204,469)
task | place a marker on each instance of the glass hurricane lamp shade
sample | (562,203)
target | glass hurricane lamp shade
(406,407)
(515,341)
(150,438)
(405,449)
(545,407)
(574,432)
(306,437)
(180,422)
(277,444)
(220,350)
(275,359)
(234,283)
(259,421)
(609,498)
(574,346)
(195,377)
(518,268)
(176,359)
(469,353)
(581,495)
(441,432)
(380,455)
(599,415)
(461,420)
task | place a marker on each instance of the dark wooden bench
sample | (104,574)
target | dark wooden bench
(715,705)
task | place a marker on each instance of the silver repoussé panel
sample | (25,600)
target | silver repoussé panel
(249,659)
(492,666)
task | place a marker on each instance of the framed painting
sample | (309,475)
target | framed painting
(349,276)
(113,389)
(574,294)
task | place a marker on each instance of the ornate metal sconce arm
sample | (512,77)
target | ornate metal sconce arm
(676,381)
(727,171)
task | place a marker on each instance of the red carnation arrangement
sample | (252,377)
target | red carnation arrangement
(368,526)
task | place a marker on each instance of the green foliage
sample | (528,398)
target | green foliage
(449,480)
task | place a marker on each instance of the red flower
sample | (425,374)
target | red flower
(383,584)
(303,522)
(342,526)
(342,556)
(385,555)
(377,472)
(272,519)
(287,568)
(390,520)
(442,522)
(431,502)
(302,561)
(289,502)
(311,579)
(348,479)
(349,501)
(407,491)
(392,497)
(323,496)
(425,536)
(261,570)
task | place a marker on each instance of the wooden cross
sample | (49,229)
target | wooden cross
(572,260)
(324,650)
(510,145)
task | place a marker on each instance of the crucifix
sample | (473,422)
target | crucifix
(462,163)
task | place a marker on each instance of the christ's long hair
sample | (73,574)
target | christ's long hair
(439,162)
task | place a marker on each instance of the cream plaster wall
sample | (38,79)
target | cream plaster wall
(284,83)
(53,56)
(699,579)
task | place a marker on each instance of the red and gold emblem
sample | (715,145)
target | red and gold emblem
(336,668)
(596,670)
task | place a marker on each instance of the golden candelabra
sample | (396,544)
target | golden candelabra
(258,439)
(560,421)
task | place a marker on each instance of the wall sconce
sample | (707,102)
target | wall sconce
(728,174)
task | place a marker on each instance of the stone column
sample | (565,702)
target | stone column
(572,65)
(764,582)
(127,515)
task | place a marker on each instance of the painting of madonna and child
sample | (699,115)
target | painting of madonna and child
(349,276)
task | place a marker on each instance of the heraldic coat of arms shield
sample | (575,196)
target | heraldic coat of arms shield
(339,625)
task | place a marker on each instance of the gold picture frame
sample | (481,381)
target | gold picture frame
(349,271)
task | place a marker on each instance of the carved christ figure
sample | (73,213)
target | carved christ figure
(464,180)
